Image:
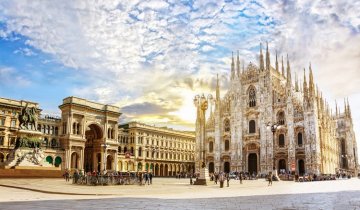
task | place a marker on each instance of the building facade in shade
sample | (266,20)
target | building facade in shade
(161,150)
(307,136)
(87,136)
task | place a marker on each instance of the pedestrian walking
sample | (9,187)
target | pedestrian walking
(150,178)
(146,175)
(227,179)
(270,179)
(221,179)
(240,178)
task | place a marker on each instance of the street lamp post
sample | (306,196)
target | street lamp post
(273,127)
(201,103)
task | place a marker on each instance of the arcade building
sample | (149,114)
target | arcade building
(88,137)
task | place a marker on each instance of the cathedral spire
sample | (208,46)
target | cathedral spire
(238,64)
(305,86)
(267,57)
(232,66)
(276,63)
(261,59)
(296,83)
(282,66)
(348,108)
(336,108)
(345,111)
(243,66)
(288,72)
(311,82)
(217,88)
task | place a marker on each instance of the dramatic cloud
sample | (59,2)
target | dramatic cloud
(152,57)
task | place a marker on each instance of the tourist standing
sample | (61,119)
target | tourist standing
(146,176)
(240,178)
(270,179)
(150,178)
(227,179)
(221,179)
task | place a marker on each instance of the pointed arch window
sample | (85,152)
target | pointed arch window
(300,139)
(227,145)
(281,118)
(281,140)
(211,146)
(252,97)
(252,126)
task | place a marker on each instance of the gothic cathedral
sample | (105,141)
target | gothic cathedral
(266,122)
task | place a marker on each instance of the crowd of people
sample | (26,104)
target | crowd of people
(108,177)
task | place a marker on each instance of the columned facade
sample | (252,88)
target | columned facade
(160,150)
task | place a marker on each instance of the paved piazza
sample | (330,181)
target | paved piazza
(173,193)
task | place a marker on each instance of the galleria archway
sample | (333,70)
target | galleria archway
(93,135)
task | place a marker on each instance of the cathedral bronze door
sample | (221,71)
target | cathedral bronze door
(282,166)
(227,167)
(301,167)
(252,163)
(211,167)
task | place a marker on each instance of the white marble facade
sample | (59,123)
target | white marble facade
(310,137)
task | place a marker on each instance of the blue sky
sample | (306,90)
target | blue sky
(151,57)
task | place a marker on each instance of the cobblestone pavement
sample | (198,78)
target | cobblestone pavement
(178,194)
(336,200)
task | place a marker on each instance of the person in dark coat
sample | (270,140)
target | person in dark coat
(270,179)
(150,178)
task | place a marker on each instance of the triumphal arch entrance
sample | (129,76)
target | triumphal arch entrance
(89,134)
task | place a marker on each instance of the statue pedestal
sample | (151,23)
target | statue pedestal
(204,175)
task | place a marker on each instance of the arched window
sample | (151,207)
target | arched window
(53,143)
(46,142)
(227,125)
(281,140)
(300,139)
(140,151)
(227,145)
(74,128)
(132,150)
(78,128)
(281,118)
(119,149)
(56,130)
(211,146)
(252,126)
(125,149)
(252,97)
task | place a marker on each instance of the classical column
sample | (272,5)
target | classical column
(116,159)
(81,167)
